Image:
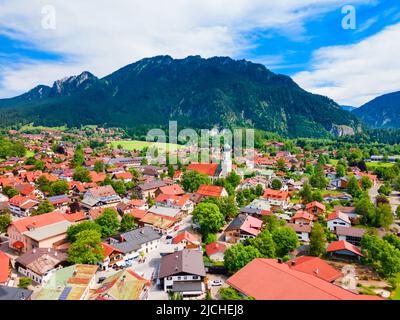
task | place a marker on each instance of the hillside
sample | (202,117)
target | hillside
(381,112)
(194,91)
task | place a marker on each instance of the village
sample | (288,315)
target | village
(83,217)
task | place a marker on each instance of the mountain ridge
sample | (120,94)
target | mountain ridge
(194,91)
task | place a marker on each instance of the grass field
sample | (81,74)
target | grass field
(139,145)
(334,161)
(28,127)
(373,165)
(29,154)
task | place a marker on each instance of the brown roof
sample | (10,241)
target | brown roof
(185,261)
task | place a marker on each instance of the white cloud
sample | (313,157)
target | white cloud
(355,74)
(102,35)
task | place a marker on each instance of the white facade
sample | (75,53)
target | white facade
(332,224)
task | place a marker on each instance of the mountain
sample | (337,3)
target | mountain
(197,92)
(381,112)
(348,108)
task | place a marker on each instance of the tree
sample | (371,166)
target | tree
(365,208)
(264,243)
(317,240)
(127,223)
(384,216)
(5,221)
(82,174)
(191,180)
(272,223)
(79,158)
(276,184)
(234,179)
(108,222)
(238,255)
(398,212)
(99,166)
(226,205)
(171,170)
(317,196)
(86,249)
(119,187)
(306,193)
(208,216)
(366,183)
(10,192)
(43,207)
(340,171)
(59,187)
(353,187)
(285,240)
(229,294)
(392,239)
(281,164)
(318,179)
(259,190)
(24,282)
(74,229)
(385,189)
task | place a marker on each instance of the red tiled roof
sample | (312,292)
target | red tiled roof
(267,279)
(138,213)
(275,194)
(4,267)
(316,267)
(185,236)
(206,168)
(252,225)
(38,221)
(176,200)
(343,245)
(137,202)
(75,217)
(338,215)
(173,189)
(215,247)
(107,249)
(303,215)
(210,191)
(123,175)
(316,204)
(97,177)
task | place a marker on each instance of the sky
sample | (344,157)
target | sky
(346,50)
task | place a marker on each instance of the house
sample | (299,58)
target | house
(271,279)
(60,202)
(183,203)
(241,228)
(316,208)
(70,283)
(206,190)
(112,257)
(129,207)
(349,211)
(22,206)
(171,190)
(344,249)
(277,198)
(303,231)
(189,240)
(213,170)
(123,285)
(103,197)
(11,293)
(135,242)
(354,235)
(41,231)
(336,219)
(302,217)
(38,264)
(253,182)
(316,267)
(148,189)
(215,251)
(125,176)
(160,223)
(165,211)
(183,272)
(4,268)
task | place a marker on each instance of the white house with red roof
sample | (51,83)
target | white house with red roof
(22,206)
(303,217)
(277,198)
(178,202)
(241,228)
(303,231)
(337,219)
(206,190)
(215,251)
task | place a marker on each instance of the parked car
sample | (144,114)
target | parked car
(216,283)
(169,237)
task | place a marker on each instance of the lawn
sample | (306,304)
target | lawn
(29,154)
(334,161)
(29,127)
(373,165)
(139,145)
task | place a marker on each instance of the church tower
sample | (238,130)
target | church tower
(227,161)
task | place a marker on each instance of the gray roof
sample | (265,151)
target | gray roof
(135,238)
(182,262)
(11,293)
(152,185)
(350,231)
(48,231)
(164,211)
(237,222)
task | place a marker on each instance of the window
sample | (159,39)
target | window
(169,278)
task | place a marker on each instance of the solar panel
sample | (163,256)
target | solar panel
(65,293)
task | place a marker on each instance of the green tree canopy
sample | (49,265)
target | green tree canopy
(317,240)
(238,255)
(285,239)
(208,216)
(191,180)
(82,174)
(127,223)
(109,223)
(264,243)
(86,249)
(43,207)
(74,229)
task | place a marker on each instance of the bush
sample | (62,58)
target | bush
(24,283)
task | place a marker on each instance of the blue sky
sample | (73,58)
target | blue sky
(303,39)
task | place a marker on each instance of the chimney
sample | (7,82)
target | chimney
(316,271)
(279,260)
(293,263)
